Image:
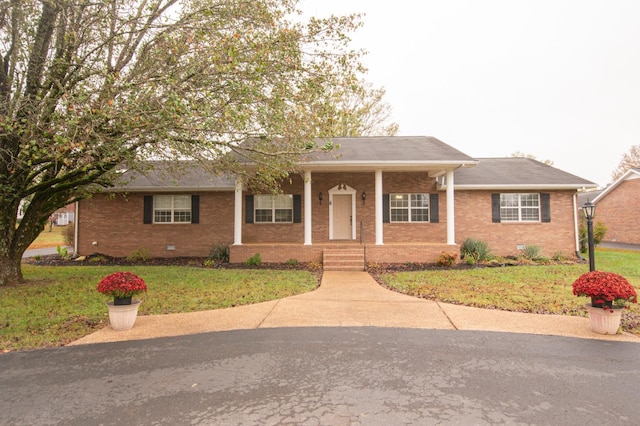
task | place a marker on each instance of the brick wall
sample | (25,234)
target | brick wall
(473,219)
(115,224)
(618,210)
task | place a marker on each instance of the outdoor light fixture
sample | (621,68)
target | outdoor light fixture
(589,210)
(364,196)
(320,197)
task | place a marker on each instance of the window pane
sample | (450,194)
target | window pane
(419,200)
(162,202)
(263,202)
(419,215)
(530,214)
(507,215)
(399,215)
(162,216)
(182,202)
(182,216)
(508,200)
(263,215)
(283,202)
(284,215)
(399,200)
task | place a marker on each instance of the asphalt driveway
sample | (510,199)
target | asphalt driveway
(325,376)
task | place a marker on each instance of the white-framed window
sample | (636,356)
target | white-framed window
(273,208)
(172,209)
(409,207)
(520,207)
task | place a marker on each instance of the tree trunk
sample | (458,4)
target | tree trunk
(10,271)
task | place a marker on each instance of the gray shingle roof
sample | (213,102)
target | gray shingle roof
(162,176)
(516,172)
(393,149)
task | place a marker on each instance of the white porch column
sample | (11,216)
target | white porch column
(237,213)
(379,213)
(307,208)
(451,226)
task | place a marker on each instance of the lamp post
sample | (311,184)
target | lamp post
(589,210)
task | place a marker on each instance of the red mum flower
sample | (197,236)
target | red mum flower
(605,286)
(121,285)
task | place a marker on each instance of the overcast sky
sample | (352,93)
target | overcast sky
(557,79)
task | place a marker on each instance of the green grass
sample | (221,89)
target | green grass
(50,239)
(59,304)
(535,289)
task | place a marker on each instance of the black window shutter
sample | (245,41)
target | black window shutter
(545,207)
(195,209)
(495,208)
(297,208)
(147,212)
(434,208)
(385,208)
(248,208)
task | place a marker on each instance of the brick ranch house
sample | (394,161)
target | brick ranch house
(383,199)
(617,207)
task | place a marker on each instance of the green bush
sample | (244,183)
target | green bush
(446,259)
(139,255)
(478,250)
(599,231)
(531,252)
(292,262)
(220,253)
(254,260)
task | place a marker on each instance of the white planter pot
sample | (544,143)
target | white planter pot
(123,317)
(604,321)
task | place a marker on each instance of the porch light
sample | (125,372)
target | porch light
(320,197)
(589,210)
(364,196)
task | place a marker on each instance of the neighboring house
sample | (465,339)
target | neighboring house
(617,206)
(406,199)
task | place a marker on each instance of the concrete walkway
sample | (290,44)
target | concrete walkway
(352,299)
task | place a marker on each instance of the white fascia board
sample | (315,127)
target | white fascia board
(169,189)
(523,187)
(395,165)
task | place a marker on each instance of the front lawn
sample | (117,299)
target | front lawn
(536,289)
(59,304)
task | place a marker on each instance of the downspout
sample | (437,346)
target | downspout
(576,226)
(75,230)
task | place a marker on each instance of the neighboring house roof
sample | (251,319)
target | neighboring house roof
(162,176)
(585,196)
(630,174)
(516,173)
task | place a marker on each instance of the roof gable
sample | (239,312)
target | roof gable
(630,174)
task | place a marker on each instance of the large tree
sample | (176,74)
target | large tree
(88,86)
(630,160)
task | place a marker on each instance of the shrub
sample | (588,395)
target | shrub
(139,255)
(446,259)
(63,252)
(531,252)
(292,262)
(476,249)
(220,253)
(254,260)
(599,231)
(69,234)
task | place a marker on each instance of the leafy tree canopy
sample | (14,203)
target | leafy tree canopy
(630,160)
(88,86)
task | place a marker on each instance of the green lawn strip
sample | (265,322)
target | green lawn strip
(54,238)
(534,289)
(61,304)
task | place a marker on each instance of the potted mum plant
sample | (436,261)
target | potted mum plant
(122,286)
(609,294)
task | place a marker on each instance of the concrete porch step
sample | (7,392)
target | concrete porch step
(343,259)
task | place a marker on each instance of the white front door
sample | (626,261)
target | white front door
(342,216)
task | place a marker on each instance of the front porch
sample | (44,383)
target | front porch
(387,253)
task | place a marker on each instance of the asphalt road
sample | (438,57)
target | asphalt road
(326,376)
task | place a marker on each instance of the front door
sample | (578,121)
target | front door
(342,216)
